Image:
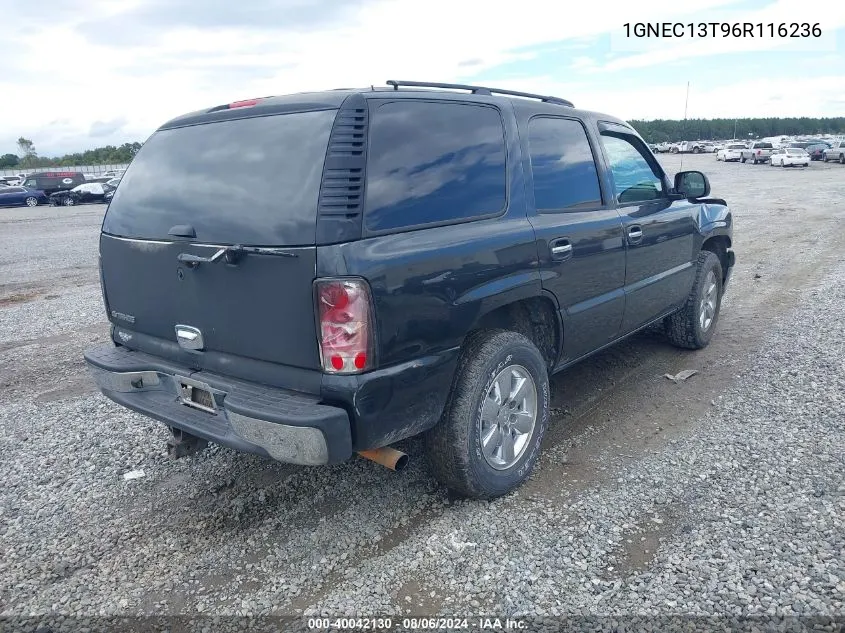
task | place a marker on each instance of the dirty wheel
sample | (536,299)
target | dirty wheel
(692,327)
(488,440)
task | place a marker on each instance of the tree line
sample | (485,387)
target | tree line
(670,130)
(27,156)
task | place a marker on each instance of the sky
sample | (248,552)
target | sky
(79,74)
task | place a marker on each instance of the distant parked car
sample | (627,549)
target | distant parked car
(729,153)
(665,146)
(113,173)
(836,152)
(816,150)
(113,183)
(20,196)
(790,157)
(758,152)
(89,192)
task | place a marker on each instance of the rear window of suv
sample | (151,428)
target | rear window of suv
(434,162)
(251,181)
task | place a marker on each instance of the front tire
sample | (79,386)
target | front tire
(32,201)
(69,202)
(693,325)
(488,440)
(842,159)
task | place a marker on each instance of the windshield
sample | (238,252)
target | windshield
(250,181)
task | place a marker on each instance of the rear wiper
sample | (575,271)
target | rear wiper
(232,254)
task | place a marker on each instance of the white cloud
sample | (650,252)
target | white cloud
(797,96)
(102,62)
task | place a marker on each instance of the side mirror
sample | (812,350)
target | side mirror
(692,184)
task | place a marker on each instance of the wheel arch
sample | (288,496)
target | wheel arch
(535,317)
(719,244)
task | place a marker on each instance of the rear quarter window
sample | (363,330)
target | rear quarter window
(562,165)
(434,162)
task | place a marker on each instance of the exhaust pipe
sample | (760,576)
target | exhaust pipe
(388,457)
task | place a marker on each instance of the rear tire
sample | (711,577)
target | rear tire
(499,375)
(742,159)
(693,325)
(68,202)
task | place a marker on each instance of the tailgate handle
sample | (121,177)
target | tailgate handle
(195,260)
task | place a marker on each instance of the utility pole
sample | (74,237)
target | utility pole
(735,128)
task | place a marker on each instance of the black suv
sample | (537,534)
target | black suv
(393,261)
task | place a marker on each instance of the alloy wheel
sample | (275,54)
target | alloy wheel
(508,417)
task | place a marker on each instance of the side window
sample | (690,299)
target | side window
(634,180)
(562,163)
(434,162)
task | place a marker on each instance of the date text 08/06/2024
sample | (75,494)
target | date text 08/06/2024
(416,624)
(722,29)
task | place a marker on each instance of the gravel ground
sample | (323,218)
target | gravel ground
(722,495)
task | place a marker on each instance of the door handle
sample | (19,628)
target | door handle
(635,234)
(561,249)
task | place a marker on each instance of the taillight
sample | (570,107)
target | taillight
(103,285)
(345,337)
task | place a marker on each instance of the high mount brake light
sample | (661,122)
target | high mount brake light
(243,104)
(345,336)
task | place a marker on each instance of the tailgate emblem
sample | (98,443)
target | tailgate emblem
(189,337)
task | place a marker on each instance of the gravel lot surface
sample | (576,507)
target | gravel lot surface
(721,495)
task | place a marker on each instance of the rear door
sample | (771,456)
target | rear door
(579,235)
(659,232)
(221,191)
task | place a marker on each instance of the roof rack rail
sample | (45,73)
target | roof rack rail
(478,90)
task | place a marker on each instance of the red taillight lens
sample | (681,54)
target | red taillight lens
(246,103)
(343,308)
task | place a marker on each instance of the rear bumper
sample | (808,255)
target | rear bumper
(285,425)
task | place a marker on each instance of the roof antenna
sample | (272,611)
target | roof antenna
(684,128)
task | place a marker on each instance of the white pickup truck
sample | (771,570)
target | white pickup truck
(835,152)
(757,152)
